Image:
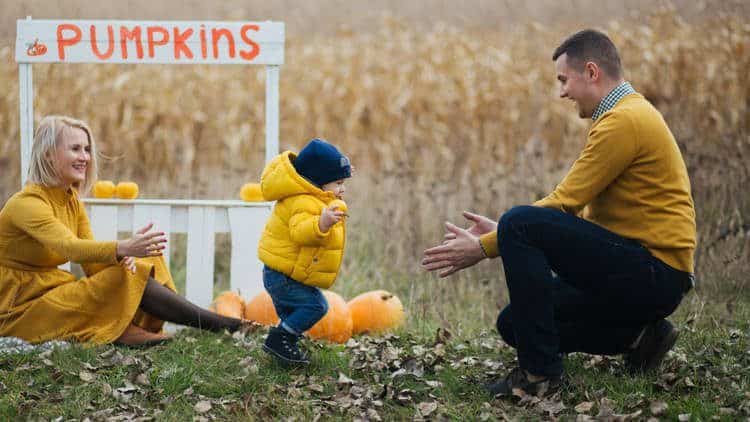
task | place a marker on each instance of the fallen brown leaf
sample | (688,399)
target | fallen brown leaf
(658,407)
(584,407)
(202,406)
(86,376)
(426,408)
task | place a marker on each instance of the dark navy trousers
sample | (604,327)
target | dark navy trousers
(575,286)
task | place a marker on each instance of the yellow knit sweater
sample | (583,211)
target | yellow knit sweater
(632,180)
(42,228)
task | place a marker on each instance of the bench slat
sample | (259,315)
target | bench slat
(199,277)
(246,270)
(160,215)
(103,222)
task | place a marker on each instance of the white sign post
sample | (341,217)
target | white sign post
(161,42)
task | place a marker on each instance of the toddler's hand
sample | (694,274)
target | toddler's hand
(328,218)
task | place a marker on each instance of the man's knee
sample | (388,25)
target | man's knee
(517,215)
(505,326)
(510,221)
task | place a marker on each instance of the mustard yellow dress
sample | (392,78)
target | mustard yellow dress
(42,228)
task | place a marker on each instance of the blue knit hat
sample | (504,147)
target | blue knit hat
(321,163)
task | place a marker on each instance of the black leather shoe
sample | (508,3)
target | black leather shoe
(657,339)
(282,345)
(518,379)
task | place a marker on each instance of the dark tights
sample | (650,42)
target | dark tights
(167,305)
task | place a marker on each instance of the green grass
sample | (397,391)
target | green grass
(705,376)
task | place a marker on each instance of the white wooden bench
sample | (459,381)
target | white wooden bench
(165,42)
(200,220)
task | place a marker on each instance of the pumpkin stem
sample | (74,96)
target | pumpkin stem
(386,296)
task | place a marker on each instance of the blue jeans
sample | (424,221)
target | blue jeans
(575,286)
(298,305)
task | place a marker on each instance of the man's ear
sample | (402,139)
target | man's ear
(592,71)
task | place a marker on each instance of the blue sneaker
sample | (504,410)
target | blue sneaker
(282,345)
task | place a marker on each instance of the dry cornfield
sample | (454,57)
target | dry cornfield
(434,121)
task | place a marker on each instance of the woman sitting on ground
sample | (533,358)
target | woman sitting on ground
(121,299)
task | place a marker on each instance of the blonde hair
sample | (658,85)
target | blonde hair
(49,133)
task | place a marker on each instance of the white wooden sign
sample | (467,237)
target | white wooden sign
(177,42)
(168,42)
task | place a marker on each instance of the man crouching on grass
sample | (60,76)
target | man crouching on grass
(598,264)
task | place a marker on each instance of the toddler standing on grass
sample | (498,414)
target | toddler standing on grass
(303,242)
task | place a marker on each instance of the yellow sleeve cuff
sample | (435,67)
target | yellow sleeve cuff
(489,244)
(318,232)
(111,252)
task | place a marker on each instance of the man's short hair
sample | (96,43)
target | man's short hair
(591,46)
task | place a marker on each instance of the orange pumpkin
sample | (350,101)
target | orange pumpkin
(251,192)
(126,190)
(336,325)
(339,205)
(376,311)
(229,304)
(104,189)
(261,310)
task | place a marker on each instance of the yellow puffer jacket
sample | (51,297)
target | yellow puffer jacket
(292,242)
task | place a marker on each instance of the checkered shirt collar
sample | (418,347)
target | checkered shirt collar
(612,98)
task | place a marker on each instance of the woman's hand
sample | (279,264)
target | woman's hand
(143,244)
(461,250)
(128,263)
(329,217)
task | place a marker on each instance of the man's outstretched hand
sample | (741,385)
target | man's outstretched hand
(460,248)
(480,225)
